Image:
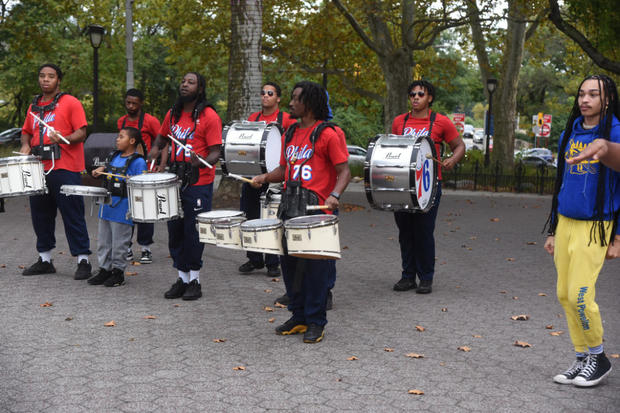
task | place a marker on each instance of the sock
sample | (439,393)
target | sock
(596,350)
(194,275)
(82,257)
(145,248)
(184,276)
(581,355)
(46,256)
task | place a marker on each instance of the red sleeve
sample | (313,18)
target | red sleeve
(252,117)
(119,122)
(165,125)
(78,116)
(27,128)
(336,146)
(287,120)
(153,125)
(397,125)
(449,130)
(211,126)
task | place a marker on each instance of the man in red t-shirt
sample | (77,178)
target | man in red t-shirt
(250,196)
(149,126)
(63,163)
(322,169)
(417,242)
(193,122)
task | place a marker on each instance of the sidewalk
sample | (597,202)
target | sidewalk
(61,358)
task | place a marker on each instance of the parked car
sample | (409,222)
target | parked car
(540,152)
(537,160)
(10,136)
(357,154)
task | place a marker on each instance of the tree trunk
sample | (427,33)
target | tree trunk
(397,69)
(245,73)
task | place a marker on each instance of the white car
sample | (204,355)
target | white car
(357,155)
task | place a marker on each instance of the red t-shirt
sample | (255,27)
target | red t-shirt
(67,117)
(318,174)
(207,132)
(443,130)
(150,127)
(286,118)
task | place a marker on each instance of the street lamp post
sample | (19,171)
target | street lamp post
(95,33)
(491,86)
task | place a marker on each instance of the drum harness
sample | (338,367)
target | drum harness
(430,128)
(295,198)
(116,186)
(51,151)
(279,118)
(187,173)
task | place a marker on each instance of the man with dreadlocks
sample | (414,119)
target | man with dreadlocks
(583,225)
(314,163)
(194,122)
(63,163)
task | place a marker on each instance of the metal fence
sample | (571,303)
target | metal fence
(521,178)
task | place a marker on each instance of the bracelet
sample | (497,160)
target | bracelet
(335,195)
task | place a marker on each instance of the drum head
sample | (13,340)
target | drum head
(228,222)
(273,148)
(264,224)
(210,216)
(425,174)
(163,177)
(310,221)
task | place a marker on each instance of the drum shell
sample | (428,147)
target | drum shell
(21,175)
(100,194)
(250,148)
(205,223)
(269,207)
(262,235)
(318,240)
(228,232)
(155,198)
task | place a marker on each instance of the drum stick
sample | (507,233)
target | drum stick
(429,156)
(152,164)
(315,207)
(242,178)
(114,175)
(207,164)
(19,153)
(62,138)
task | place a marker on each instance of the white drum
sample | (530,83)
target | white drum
(262,235)
(269,204)
(154,197)
(205,221)
(100,194)
(21,175)
(313,236)
(251,148)
(398,175)
(228,232)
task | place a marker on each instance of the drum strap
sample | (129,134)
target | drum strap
(278,119)
(112,183)
(140,121)
(430,127)
(55,152)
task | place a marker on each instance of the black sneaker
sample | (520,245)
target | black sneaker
(284,300)
(314,334)
(129,256)
(330,301)
(100,277)
(249,267)
(291,327)
(405,284)
(193,291)
(146,257)
(426,286)
(595,369)
(273,271)
(116,278)
(83,271)
(177,290)
(40,267)
(572,372)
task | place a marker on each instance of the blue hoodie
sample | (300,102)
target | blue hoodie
(577,197)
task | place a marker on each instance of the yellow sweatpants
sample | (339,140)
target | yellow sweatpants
(578,266)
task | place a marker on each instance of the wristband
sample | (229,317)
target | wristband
(335,195)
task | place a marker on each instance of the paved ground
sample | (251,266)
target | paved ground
(61,358)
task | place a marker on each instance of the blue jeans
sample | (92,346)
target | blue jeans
(250,204)
(43,212)
(183,242)
(417,242)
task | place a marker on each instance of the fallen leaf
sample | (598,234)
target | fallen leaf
(136,263)
(496,239)
(279,305)
(110,324)
(239,368)
(442,364)
(473,238)
(339,379)
(556,333)
(131,273)
(68,318)
(444,310)
(414,355)
(3,266)
(520,317)
(149,317)
(268,309)
(510,259)
(522,344)
(132,339)
(177,305)
(416,392)
(420,328)
(372,225)
(494,220)
(219,340)
(268,290)
(503,292)
(476,336)
(388,350)
(531,243)
(549,326)
(46,304)
(61,252)
(352,358)
(515,298)
(275,280)
(464,348)
(345,247)
(391,238)
(615,356)
(271,320)
(21,267)
(542,294)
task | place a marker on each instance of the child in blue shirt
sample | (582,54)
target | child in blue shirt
(114,234)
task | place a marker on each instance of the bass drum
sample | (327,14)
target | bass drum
(251,148)
(398,175)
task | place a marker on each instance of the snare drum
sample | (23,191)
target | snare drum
(313,236)
(228,232)
(251,148)
(100,194)
(262,235)
(397,174)
(21,175)
(205,221)
(154,197)
(269,204)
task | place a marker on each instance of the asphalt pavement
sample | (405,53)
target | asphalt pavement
(220,353)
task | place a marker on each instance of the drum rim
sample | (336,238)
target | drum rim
(228,222)
(204,218)
(20,159)
(247,225)
(138,179)
(96,190)
(325,221)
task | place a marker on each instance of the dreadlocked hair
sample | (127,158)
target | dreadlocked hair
(314,97)
(610,108)
(201,101)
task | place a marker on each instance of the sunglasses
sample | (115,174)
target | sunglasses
(266,92)
(419,93)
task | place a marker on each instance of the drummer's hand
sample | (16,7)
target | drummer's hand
(25,149)
(259,180)
(54,136)
(332,202)
(97,172)
(158,168)
(196,162)
(153,154)
(448,163)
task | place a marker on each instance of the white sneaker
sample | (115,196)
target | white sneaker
(596,368)
(569,375)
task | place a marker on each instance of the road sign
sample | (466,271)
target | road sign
(545,130)
(459,121)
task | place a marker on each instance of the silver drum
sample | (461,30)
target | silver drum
(21,175)
(251,148)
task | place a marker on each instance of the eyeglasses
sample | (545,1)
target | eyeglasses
(419,93)
(266,92)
